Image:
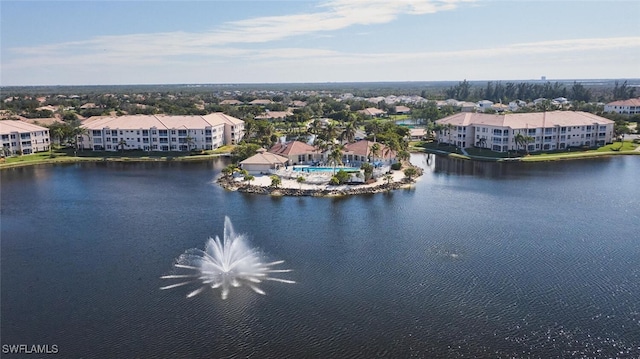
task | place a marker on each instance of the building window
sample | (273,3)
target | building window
(182,132)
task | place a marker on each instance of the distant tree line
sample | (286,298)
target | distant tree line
(529,91)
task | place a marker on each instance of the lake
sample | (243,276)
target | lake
(517,260)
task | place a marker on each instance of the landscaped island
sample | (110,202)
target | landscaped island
(277,185)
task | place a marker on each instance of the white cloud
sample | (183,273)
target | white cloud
(332,15)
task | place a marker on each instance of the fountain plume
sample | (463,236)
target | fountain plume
(227,263)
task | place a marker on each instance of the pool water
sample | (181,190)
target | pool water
(325,169)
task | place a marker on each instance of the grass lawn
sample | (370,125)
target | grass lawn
(616,148)
(69,155)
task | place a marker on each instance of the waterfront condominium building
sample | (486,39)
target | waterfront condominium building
(547,130)
(161,132)
(23,138)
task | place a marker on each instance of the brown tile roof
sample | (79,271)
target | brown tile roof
(292,148)
(363,148)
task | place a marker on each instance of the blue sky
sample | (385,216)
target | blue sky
(166,42)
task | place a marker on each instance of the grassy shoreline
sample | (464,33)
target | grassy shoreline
(68,156)
(615,149)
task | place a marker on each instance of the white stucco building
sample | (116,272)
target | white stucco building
(550,130)
(161,132)
(625,107)
(19,137)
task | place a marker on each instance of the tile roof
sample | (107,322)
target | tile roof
(292,148)
(629,102)
(8,126)
(363,148)
(160,121)
(265,158)
(525,120)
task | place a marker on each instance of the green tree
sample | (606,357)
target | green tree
(243,151)
(349,132)
(367,168)
(300,180)
(335,157)
(248,177)
(190,142)
(229,170)
(374,150)
(121,144)
(410,172)
(276,181)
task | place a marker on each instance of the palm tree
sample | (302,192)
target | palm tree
(374,150)
(374,128)
(122,143)
(330,132)
(229,170)
(300,181)
(315,127)
(519,140)
(349,132)
(79,133)
(190,142)
(388,178)
(275,181)
(248,177)
(335,157)
(59,133)
(392,146)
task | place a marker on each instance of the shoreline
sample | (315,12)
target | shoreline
(294,189)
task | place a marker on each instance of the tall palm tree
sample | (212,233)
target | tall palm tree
(335,156)
(519,139)
(392,146)
(375,127)
(59,133)
(122,143)
(349,132)
(330,132)
(374,150)
(190,142)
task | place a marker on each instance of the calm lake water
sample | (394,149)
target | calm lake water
(477,260)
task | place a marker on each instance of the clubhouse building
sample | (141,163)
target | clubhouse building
(161,132)
(554,130)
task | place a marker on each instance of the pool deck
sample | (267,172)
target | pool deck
(317,182)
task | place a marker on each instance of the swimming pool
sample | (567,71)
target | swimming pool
(325,169)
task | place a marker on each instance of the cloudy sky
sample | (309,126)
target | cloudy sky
(167,42)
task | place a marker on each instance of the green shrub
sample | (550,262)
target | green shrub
(334,181)
(396,166)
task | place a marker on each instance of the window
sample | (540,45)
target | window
(163,133)
(173,132)
(145,132)
(182,132)
(96,133)
(207,132)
